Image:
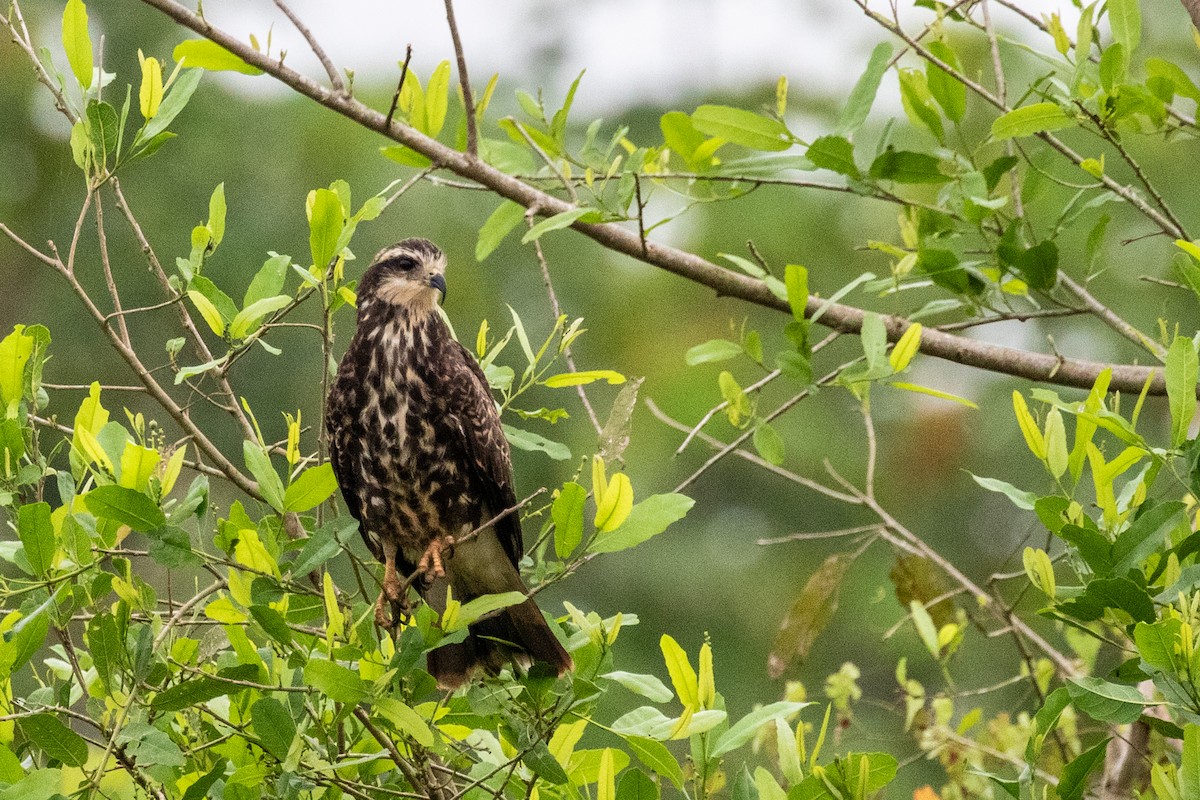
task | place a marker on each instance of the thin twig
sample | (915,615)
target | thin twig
(465,82)
(335,79)
(557,310)
(387,123)
(754,458)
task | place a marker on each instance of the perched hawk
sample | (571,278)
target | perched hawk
(422,461)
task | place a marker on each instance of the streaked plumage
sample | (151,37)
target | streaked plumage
(421,458)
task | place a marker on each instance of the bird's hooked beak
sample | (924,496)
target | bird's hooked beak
(438,281)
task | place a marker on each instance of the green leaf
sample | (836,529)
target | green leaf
(175,101)
(527,440)
(437,96)
(1147,534)
(834,153)
(194,691)
(37,536)
(1181,387)
(259,464)
(583,377)
(274,726)
(55,739)
(1107,702)
(1114,67)
(554,223)
(712,350)
(542,762)
(796,282)
(126,506)
(1158,644)
(77,42)
(149,745)
(209,55)
(209,311)
(216,214)
(647,686)
(567,513)
(742,127)
(1029,120)
(1182,84)
(1074,779)
(313,487)
(904,166)
(1125,18)
(744,729)
(268,281)
(335,681)
(648,518)
(1039,265)
(657,757)
(246,321)
(15,352)
(405,720)
(1045,720)
(950,93)
(27,636)
(768,443)
(325,226)
(471,612)
(103,124)
(862,96)
(39,783)
(1020,498)
(507,216)
(635,785)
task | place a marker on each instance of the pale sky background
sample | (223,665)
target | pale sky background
(633,50)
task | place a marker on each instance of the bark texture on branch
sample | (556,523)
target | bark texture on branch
(848,319)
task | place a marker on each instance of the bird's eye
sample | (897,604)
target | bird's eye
(404,263)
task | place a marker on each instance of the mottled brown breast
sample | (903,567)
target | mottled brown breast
(415,438)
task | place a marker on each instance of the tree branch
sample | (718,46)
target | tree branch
(464,82)
(982,355)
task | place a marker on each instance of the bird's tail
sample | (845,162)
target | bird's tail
(518,633)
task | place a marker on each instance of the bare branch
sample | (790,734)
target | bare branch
(335,79)
(465,82)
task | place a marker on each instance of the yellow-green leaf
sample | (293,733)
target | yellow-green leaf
(313,487)
(208,311)
(1040,570)
(151,92)
(1029,120)
(706,692)
(15,351)
(171,472)
(683,677)
(1029,429)
(137,465)
(77,42)
(1056,443)
(902,354)
(616,505)
(437,96)
(211,56)
(582,377)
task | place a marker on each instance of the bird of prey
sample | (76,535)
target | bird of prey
(422,461)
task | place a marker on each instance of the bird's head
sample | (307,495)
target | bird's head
(408,275)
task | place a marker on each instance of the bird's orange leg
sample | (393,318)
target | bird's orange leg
(392,587)
(432,563)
